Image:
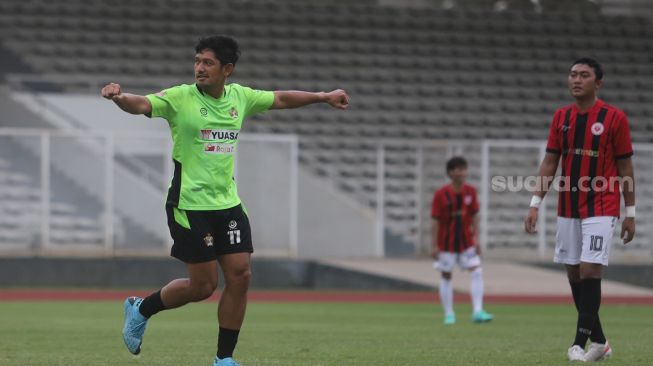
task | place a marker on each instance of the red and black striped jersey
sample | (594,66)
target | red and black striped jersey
(455,213)
(589,144)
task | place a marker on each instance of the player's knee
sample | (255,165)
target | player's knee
(591,270)
(573,273)
(203,290)
(446,275)
(240,277)
(245,276)
(590,274)
(573,278)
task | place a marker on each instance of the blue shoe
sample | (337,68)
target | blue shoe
(450,319)
(482,317)
(227,361)
(135,322)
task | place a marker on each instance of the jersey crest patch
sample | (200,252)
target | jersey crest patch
(233,113)
(208,240)
(597,129)
(468,200)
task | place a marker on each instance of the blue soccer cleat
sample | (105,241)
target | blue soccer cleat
(135,322)
(227,361)
(482,317)
(450,319)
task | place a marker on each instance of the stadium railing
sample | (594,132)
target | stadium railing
(389,182)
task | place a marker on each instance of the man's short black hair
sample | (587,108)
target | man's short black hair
(225,48)
(598,69)
(456,162)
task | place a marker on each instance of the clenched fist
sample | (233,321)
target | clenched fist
(111,91)
(338,98)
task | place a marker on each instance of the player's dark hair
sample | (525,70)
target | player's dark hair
(225,48)
(456,162)
(598,69)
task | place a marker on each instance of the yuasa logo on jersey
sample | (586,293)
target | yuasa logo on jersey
(215,148)
(597,129)
(208,240)
(218,135)
(233,113)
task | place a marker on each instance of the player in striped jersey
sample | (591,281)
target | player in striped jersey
(592,140)
(455,239)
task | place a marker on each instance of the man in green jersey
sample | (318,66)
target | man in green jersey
(207,222)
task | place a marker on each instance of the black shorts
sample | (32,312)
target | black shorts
(202,236)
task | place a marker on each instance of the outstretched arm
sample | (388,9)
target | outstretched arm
(130,103)
(284,99)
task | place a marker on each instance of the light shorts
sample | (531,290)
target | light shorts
(465,260)
(584,240)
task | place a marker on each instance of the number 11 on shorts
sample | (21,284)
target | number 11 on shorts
(234,236)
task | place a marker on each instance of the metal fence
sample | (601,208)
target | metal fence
(103,193)
(71,192)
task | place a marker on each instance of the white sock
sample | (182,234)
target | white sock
(476,289)
(446,296)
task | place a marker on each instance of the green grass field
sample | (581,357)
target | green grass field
(88,334)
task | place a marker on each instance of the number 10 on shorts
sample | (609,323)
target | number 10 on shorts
(596,243)
(234,236)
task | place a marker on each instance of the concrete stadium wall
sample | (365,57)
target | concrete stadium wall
(156,272)
(332,225)
(268,274)
(638,275)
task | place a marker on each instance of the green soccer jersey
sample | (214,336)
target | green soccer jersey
(205,136)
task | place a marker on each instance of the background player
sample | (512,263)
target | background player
(206,219)
(455,239)
(593,139)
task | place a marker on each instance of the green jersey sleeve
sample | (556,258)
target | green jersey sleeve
(257,101)
(166,103)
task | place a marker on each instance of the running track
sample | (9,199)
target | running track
(312,296)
